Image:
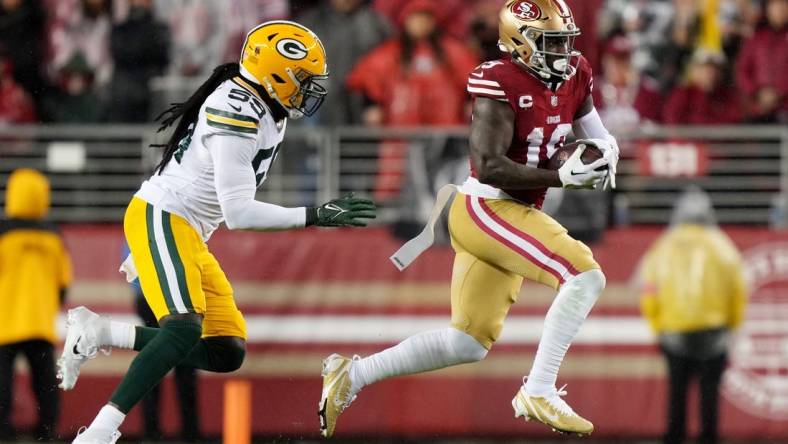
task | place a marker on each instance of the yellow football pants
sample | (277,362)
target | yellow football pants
(177,273)
(498,243)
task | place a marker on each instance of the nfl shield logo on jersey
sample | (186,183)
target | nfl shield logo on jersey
(554,101)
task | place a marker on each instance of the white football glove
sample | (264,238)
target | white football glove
(575,174)
(610,152)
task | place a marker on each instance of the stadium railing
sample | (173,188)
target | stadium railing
(95,168)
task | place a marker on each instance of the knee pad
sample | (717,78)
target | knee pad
(465,347)
(183,334)
(227,353)
(588,285)
(593,281)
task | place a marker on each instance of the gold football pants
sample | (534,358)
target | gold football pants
(498,243)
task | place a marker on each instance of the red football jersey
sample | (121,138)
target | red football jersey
(543,118)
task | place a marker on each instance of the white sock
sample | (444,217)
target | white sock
(426,351)
(108,418)
(568,311)
(116,334)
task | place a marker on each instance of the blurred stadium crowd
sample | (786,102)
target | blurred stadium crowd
(405,63)
(668,61)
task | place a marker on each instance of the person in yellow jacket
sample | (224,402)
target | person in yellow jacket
(693,296)
(35,270)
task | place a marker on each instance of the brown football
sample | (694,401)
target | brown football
(591,154)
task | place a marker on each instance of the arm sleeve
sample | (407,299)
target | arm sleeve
(590,126)
(236,185)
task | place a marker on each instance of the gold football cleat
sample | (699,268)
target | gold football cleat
(336,392)
(552,411)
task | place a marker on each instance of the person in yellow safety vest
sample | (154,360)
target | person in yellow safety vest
(35,270)
(693,296)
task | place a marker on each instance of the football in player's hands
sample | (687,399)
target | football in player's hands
(560,156)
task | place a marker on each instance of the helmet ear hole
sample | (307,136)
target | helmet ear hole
(278,79)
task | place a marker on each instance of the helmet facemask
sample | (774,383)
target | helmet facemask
(552,52)
(307,98)
(311,92)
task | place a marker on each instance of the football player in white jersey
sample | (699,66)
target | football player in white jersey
(227,136)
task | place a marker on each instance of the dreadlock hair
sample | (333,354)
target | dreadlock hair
(188,111)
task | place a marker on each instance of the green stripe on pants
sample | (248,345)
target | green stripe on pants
(175,257)
(154,252)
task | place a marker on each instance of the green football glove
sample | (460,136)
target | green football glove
(348,211)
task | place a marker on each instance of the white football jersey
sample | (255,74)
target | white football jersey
(186,186)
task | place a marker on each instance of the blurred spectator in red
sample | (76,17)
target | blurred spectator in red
(75,100)
(623,97)
(415,79)
(199,37)
(349,29)
(16,106)
(242,15)
(22,36)
(140,49)
(452,15)
(82,27)
(704,99)
(763,64)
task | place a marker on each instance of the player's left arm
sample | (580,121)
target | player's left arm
(588,126)
(236,186)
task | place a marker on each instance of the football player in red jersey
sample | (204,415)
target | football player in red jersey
(525,105)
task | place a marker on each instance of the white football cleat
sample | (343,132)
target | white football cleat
(87,435)
(82,344)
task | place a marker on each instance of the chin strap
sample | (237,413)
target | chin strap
(268,94)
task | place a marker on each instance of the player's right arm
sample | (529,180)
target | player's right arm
(492,130)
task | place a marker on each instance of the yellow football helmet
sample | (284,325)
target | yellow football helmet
(540,34)
(289,61)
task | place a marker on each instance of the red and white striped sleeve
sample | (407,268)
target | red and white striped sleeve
(483,82)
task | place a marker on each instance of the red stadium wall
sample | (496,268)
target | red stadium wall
(307,294)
